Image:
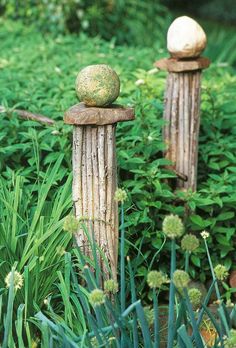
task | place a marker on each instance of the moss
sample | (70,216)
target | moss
(97,85)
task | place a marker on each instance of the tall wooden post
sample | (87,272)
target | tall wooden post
(182,99)
(95,177)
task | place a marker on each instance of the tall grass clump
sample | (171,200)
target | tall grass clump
(33,244)
(99,312)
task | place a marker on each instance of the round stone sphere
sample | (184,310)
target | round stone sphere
(97,85)
(185,38)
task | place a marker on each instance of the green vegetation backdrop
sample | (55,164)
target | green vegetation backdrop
(37,73)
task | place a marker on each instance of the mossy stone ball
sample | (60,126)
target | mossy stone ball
(97,85)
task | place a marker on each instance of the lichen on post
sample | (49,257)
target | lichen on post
(94,160)
(186,41)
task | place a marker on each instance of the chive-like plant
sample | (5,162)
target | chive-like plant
(172,228)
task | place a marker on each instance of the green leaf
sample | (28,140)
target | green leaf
(226,216)
(199,221)
(222,240)
(196,260)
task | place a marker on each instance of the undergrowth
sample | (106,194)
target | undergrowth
(37,73)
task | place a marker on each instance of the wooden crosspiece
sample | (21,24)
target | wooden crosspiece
(95,176)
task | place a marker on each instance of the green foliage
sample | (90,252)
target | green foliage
(44,83)
(213,205)
(221,43)
(32,239)
(35,165)
(129,21)
(91,317)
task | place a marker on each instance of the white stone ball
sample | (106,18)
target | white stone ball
(186,38)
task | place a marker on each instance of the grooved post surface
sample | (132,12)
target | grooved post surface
(94,186)
(182,116)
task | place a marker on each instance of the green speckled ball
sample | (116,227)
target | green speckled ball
(97,85)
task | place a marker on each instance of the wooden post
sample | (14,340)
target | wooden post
(95,177)
(182,116)
(185,41)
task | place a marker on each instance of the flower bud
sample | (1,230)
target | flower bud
(120,195)
(205,234)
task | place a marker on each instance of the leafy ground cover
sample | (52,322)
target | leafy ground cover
(37,73)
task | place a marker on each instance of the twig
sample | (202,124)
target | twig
(180,175)
(29,115)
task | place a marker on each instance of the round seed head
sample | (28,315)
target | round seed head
(111,286)
(221,272)
(120,195)
(230,342)
(156,279)
(96,297)
(181,279)
(71,224)
(189,243)
(94,342)
(195,297)
(17,280)
(173,226)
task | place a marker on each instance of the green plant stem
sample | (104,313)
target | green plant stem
(122,262)
(156,320)
(198,339)
(215,283)
(122,268)
(212,272)
(134,299)
(187,255)
(8,322)
(144,326)
(171,315)
(205,303)
(158,252)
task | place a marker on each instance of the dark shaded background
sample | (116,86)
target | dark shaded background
(133,22)
(216,10)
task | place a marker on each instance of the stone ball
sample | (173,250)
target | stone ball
(186,38)
(97,85)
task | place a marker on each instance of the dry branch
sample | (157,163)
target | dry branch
(29,115)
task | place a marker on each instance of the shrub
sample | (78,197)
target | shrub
(130,21)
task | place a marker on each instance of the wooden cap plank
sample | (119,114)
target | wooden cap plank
(180,65)
(232,279)
(80,114)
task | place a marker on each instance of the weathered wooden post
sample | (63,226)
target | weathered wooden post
(94,159)
(185,41)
